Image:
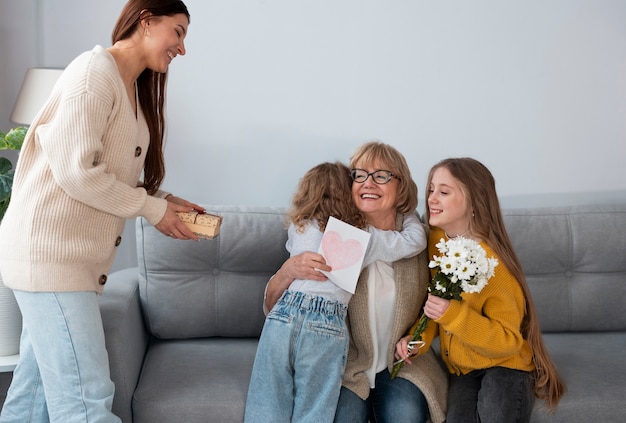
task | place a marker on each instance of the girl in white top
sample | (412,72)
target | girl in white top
(302,351)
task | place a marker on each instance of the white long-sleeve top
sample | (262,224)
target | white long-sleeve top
(386,246)
(76,182)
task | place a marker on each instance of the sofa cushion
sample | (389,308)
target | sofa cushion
(562,249)
(196,289)
(592,365)
(194,380)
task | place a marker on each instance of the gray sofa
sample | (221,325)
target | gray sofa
(182,329)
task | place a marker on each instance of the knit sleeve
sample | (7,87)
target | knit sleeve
(390,246)
(488,324)
(84,143)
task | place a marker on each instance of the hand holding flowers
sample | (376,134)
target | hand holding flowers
(463,267)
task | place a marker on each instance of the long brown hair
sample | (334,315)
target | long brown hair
(487,223)
(392,160)
(150,84)
(324,191)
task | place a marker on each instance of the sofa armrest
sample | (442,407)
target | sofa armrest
(126,336)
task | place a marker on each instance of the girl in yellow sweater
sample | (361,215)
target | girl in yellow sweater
(490,341)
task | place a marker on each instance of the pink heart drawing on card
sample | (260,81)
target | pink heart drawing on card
(340,254)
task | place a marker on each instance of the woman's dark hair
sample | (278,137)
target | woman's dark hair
(150,84)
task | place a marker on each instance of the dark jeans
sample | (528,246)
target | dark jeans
(492,395)
(391,401)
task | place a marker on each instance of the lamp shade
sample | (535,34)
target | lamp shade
(36,88)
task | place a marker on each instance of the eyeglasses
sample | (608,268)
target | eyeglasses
(380,177)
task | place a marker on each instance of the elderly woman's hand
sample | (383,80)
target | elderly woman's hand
(306,265)
(405,349)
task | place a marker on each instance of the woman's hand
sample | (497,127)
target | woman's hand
(306,265)
(182,202)
(404,351)
(171,225)
(435,306)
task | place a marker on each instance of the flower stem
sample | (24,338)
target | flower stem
(415,336)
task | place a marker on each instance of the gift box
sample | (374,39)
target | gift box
(203,224)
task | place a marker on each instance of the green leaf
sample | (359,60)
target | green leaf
(4,204)
(6,178)
(3,141)
(15,137)
(12,140)
(5,165)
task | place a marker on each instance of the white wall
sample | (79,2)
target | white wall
(269,88)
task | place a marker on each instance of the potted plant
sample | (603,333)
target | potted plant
(10,316)
(12,140)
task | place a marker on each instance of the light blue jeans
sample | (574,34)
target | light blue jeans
(63,371)
(299,362)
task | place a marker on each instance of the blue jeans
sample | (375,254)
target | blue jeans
(391,401)
(491,395)
(299,361)
(63,371)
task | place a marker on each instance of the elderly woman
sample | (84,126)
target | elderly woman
(387,301)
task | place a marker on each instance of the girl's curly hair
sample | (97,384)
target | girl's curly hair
(324,191)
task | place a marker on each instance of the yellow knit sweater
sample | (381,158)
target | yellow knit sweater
(482,330)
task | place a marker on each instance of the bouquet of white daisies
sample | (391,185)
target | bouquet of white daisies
(463,266)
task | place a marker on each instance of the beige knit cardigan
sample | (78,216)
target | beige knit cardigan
(426,371)
(76,183)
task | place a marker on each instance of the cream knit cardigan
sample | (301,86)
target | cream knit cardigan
(426,371)
(76,183)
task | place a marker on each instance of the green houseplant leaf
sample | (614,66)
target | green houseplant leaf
(15,137)
(12,140)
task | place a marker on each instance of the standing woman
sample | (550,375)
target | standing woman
(490,341)
(75,184)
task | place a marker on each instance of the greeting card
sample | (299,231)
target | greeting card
(343,246)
